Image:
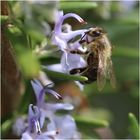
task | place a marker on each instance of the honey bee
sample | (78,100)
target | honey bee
(99,64)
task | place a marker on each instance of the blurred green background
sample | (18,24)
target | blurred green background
(121,22)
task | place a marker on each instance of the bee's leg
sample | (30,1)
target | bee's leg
(78,52)
(77,70)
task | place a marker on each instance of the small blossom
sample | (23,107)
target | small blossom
(40,90)
(60,38)
(33,117)
(70,61)
(66,126)
(34,130)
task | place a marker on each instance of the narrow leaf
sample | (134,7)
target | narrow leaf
(5,127)
(59,75)
(90,124)
(28,63)
(87,126)
(48,59)
(133,126)
(27,98)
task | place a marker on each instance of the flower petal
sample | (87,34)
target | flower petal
(42,117)
(49,135)
(26,136)
(59,15)
(33,117)
(58,106)
(71,34)
(55,67)
(67,127)
(55,94)
(58,25)
(60,42)
(37,87)
(74,61)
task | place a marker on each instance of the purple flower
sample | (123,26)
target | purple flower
(40,92)
(58,127)
(34,129)
(66,127)
(47,111)
(61,39)
(59,21)
(70,61)
(47,108)
(33,119)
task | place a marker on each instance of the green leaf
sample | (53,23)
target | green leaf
(29,64)
(77,5)
(17,37)
(87,126)
(5,127)
(48,59)
(27,98)
(133,126)
(90,134)
(59,75)
(90,123)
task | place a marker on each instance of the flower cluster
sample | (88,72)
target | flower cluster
(42,122)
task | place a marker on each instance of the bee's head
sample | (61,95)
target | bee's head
(95,32)
(91,35)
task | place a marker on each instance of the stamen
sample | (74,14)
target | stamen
(58,96)
(46,89)
(37,125)
(82,21)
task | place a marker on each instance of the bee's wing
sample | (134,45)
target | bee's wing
(101,74)
(110,73)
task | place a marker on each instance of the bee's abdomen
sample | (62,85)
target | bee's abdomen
(91,75)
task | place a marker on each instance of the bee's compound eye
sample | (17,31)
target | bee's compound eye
(96,33)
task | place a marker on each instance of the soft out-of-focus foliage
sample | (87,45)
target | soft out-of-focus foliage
(31,24)
(133,126)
